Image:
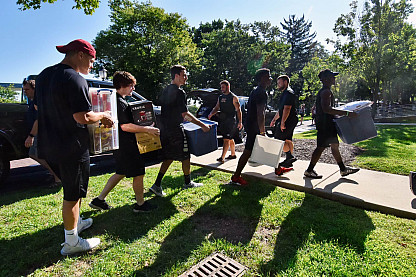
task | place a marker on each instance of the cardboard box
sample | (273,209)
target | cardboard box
(352,130)
(103,139)
(143,113)
(267,151)
(147,142)
(199,142)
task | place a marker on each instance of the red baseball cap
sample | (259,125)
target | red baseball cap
(77,45)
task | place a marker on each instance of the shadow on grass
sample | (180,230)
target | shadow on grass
(24,254)
(232,215)
(318,220)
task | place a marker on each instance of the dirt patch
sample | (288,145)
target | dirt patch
(304,148)
(232,229)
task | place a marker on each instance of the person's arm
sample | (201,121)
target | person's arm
(326,105)
(214,110)
(134,128)
(238,111)
(93,117)
(261,118)
(191,118)
(285,115)
(32,134)
(275,118)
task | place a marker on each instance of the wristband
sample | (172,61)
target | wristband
(348,113)
(262,133)
(32,136)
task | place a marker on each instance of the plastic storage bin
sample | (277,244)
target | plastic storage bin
(103,139)
(199,142)
(144,115)
(352,130)
(267,151)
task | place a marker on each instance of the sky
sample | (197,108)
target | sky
(28,38)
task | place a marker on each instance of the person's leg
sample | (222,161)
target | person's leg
(138,189)
(70,214)
(242,162)
(232,147)
(111,183)
(225,148)
(163,168)
(336,153)
(315,158)
(46,165)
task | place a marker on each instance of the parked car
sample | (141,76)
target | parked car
(13,130)
(209,98)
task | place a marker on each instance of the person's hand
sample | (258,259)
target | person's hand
(29,141)
(282,126)
(240,126)
(107,120)
(209,116)
(153,130)
(272,123)
(205,127)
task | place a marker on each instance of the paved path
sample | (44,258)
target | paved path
(384,192)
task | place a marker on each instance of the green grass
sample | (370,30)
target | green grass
(272,231)
(392,151)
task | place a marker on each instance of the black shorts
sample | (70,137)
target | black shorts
(74,175)
(327,135)
(129,163)
(227,128)
(287,133)
(174,144)
(250,139)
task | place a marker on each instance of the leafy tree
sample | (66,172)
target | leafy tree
(379,45)
(88,6)
(297,33)
(7,94)
(146,41)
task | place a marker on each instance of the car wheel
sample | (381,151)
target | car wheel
(4,169)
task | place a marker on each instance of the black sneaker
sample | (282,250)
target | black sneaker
(99,204)
(144,208)
(288,162)
(412,177)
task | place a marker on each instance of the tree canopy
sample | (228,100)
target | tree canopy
(88,6)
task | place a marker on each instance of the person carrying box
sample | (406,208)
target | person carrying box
(229,107)
(325,125)
(129,162)
(255,121)
(172,135)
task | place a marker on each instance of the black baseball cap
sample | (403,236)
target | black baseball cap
(327,73)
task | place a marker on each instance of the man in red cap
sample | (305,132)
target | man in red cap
(64,109)
(325,126)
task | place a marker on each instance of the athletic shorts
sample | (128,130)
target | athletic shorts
(327,135)
(129,163)
(174,144)
(74,174)
(287,133)
(250,139)
(227,128)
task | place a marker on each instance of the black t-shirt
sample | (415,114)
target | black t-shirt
(127,140)
(61,92)
(173,104)
(257,97)
(227,109)
(323,120)
(288,98)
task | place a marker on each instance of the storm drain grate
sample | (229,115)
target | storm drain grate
(216,265)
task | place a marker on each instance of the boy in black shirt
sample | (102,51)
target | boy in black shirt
(129,162)
(172,136)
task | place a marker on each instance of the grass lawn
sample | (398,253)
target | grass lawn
(392,151)
(272,231)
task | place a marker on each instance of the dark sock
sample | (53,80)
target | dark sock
(159,179)
(288,155)
(187,179)
(341,166)
(310,167)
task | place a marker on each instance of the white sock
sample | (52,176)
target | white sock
(71,237)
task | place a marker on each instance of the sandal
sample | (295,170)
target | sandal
(220,160)
(231,157)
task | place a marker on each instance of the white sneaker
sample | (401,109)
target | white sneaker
(85,224)
(157,190)
(192,184)
(83,245)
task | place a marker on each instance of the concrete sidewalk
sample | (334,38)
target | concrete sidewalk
(384,192)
